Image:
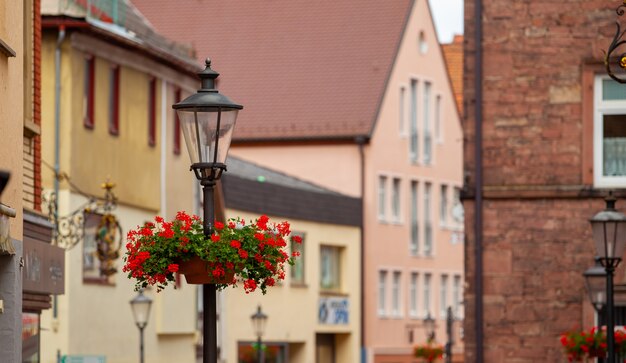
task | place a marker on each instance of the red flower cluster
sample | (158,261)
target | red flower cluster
(581,345)
(254,251)
(429,351)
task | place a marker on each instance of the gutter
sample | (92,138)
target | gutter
(478,201)
(360,141)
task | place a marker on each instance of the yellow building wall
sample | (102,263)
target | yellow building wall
(293,310)
(11,108)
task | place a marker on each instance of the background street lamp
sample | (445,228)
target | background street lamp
(258,323)
(595,282)
(609,235)
(429,326)
(207,120)
(450,342)
(140,305)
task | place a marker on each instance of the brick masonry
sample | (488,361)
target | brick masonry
(536,245)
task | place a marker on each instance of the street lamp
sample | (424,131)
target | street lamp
(140,305)
(258,323)
(429,326)
(609,235)
(595,282)
(450,342)
(207,119)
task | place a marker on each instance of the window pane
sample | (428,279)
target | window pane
(395,201)
(426,294)
(413,294)
(444,204)
(428,235)
(443,299)
(414,220)
(401,110)
(612,90)
(614,145)
(297,270)
(413,143)
(456,295)
(438,117)
(329,268)
(382,186)
(382,286)
(426,121)
(396,293)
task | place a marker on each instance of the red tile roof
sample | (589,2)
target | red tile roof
(453,54)
(302,69)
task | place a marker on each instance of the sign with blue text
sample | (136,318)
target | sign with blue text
(333,310)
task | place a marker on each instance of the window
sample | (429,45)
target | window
(456,295)
(297,270)
(438,118)
(382,292)
(428,230)
(426,294)
(443,298)
(457,207)
(152,111)
(443,208)
(426,124)
(609,144)
(422,44)
(414,247)
(176,132)
(330,268)
(382,197)
(114,100)
(89,92)
(395,294)
(395,199)
(413,295)
(414,136)
(401,110)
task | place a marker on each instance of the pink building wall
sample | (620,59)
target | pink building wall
(338,166)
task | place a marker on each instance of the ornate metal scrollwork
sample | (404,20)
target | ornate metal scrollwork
(620,58)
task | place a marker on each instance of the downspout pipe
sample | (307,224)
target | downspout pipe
(57,134)
(478,160)
(360,141)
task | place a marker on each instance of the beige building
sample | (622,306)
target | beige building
(315,311)
(118,80)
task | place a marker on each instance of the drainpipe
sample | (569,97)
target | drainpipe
(57,134)
(478,160)
(360,141)
(164,136)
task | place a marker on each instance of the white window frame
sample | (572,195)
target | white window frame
(426,118)
(382,292)
(443,295)
(413,294)
(427,212)
(601,108)
(414,229)
(427,294)
(413,122)
(396,199)
(396,293)
(382,197)
(443,205)
(438,118)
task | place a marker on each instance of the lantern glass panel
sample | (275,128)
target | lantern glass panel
(596,288)
(609,237)
(205,143)
(141,310)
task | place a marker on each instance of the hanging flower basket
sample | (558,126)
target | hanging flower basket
(429,352)
(252,253)
(587,345)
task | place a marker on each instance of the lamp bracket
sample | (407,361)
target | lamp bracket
(208,173)
(620,57)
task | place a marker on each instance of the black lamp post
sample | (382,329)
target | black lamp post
(207,119)
(609,235)
(258,323)
(595,282)
(429,326)
(140,305)
(450,342)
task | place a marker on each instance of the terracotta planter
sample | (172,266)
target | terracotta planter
(198,271)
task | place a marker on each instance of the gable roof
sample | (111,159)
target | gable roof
(302,69)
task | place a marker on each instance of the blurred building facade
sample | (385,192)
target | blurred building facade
(354,97)
(320,296)
(117,79)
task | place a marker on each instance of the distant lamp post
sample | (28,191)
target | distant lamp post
(207,119)
(595,282)
(140,305)
(429,326)
(450,341)
(609,235)
(258,323)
